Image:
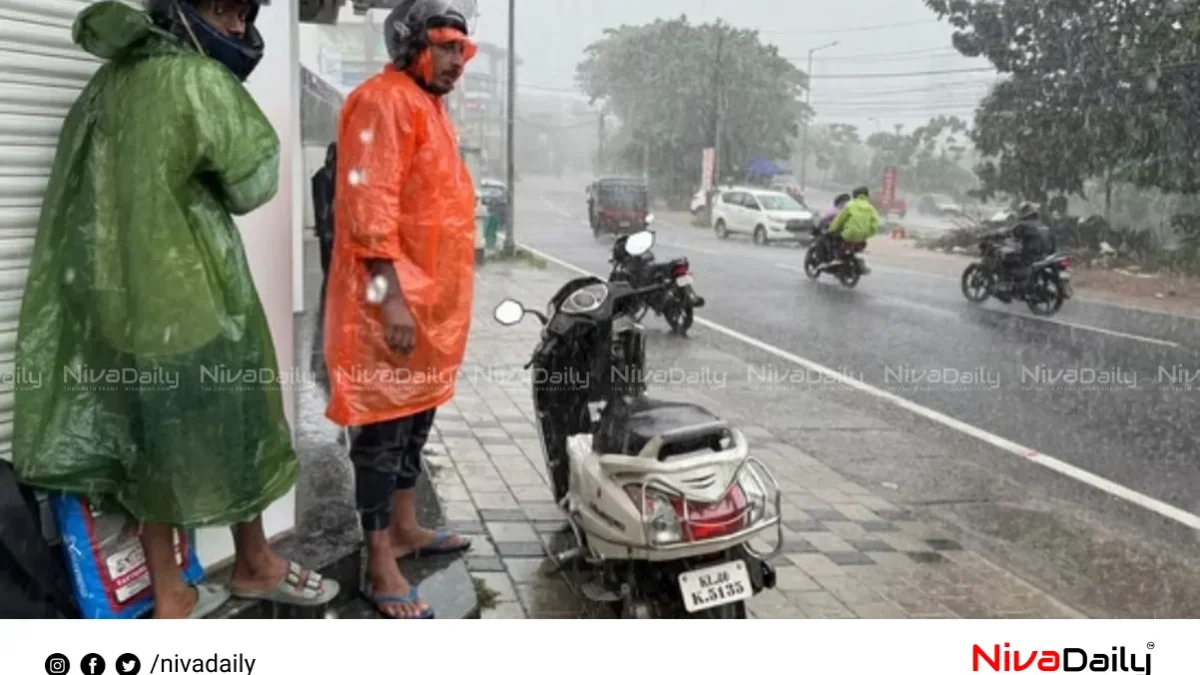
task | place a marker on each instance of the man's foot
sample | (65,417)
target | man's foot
(391,593)
(175,604)
(422,542)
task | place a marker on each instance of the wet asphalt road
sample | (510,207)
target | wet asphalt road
(1000,368)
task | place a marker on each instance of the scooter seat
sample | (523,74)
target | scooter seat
(628,429)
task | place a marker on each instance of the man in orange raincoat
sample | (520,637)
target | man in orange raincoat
(399,298)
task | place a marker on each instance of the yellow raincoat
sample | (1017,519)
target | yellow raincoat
(403,194)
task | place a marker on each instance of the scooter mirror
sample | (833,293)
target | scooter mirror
(639,242)
(508,313)
(649,218)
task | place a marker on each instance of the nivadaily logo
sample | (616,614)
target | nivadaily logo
(998,659)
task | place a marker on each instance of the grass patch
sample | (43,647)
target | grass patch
(518,256)
(484,595)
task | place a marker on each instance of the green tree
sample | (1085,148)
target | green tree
(664,81)
(1094,89)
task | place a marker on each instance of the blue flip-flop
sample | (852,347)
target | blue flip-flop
(411,598)
(438,546)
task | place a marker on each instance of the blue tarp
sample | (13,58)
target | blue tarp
(761,166)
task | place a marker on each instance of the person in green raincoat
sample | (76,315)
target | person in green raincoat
(140,317)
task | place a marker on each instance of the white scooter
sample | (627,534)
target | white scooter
(665,503)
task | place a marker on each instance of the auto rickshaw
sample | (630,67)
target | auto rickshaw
(618,206)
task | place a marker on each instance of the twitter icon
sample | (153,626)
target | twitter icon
(128,664)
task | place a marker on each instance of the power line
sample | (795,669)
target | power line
(857,29)
(922,73)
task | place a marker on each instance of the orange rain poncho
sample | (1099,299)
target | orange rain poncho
(403,194)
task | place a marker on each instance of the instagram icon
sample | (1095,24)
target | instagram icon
(57,664)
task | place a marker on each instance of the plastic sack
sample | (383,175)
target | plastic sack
(107,564)
(154,381)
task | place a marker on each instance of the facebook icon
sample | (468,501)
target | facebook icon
(92,664)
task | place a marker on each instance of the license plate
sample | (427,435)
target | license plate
(624,223)
(715,586)
(685,280)
(1064,275)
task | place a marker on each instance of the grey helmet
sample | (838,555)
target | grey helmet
(405,28)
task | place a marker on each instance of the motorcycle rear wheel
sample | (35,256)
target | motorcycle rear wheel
(974,278)
(848,273)
(679,315)
(1045,295)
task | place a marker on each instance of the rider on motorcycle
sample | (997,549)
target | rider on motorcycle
(1033,240)
(857,222)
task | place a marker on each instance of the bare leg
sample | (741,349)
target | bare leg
(256,567)
(383,574)
(407,534)
(173,599)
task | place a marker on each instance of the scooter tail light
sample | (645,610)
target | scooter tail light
(699,521)
(679,269)
(1065,263)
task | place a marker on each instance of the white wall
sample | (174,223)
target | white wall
(272,228)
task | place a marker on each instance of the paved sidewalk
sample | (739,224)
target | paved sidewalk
(847,553)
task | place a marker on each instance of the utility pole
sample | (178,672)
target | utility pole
(600,159)
(509,150)
(718,123)
(808,105)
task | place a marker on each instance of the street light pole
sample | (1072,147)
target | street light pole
(808,104)
(509,242)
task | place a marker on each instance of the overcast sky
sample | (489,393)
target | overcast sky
(877,38)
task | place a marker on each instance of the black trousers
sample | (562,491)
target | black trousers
(386,458)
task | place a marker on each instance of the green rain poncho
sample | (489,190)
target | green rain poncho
(143,347)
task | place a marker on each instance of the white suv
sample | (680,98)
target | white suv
(765,215)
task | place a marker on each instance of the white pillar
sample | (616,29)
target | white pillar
(273,228)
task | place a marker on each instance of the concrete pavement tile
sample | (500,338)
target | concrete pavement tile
(514,515)
(484,483)
(853,489)
(549,599)
(794,579)
(513,463)
(513,419)
(902,542)
(969,608)
(466,526)
(827,542)
(511,532)
(804,525)
(469,455)
(481,546)
(525,479)
(870,545)
(877,610)
(846,558)
(533,495)
(857,512)
(494,500)
(790,511)
(878,526)
(816,565)
(446,425)
(547,527)
(833,496)
(846,530)
(544,513)
(797,544)
(876,504)
(827,515)
(820,605)
(466,443)
(520,549)
(486,434)
(460,511)
(808,501)
(528,570)
(850,590)
(454,493)
(918,529)
(448,434)
(893,561)
(773,604)
(504,610)
(927,557)
(503,450)
(914,602)
(485,564)
(483,468)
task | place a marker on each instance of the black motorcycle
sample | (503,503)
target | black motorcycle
(675,302)
(833,255)
(663,501)
(1043,286)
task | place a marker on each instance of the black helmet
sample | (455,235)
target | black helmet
(1027,211)
(841,199)
(860,192)
(181,18)
(404,29)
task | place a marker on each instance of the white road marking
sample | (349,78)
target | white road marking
(1033,317)
(889,299)
(1069,470)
